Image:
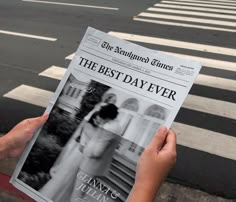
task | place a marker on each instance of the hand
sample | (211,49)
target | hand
(13,143)
(154,165)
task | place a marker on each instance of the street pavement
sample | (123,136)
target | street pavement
(37,39)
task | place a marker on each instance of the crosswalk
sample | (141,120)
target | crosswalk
(209,15)
(40,97)
(193,14)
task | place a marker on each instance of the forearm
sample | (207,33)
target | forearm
(3,148)
(142,193)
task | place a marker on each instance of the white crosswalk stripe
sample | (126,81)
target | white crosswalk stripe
(70,57)
(193,13)
(211,106)
(216,82)
(175,43)
(31,95)
(180,24)
(198,4)
(195,8)
(213,63)
(205,140)
(54,72)
(218,64)
(207,2)
(232,1)
(188,19)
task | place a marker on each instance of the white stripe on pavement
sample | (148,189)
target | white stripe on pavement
(196,4)
(188,19)
(209,2)
(54,72)
(183,25)
(205,140)
(70,4)
(31,95)
(196,8)
(175,43)
(193,13)
(216,82)
(231,1)
(27,35)
(211,106)
(70,57)
(219,64)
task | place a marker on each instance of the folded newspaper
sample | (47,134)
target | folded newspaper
(105,111)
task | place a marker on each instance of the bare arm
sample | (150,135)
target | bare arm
(153,166)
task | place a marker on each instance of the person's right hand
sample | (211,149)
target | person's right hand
(154,165)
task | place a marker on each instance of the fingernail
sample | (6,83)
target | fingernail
(163,129)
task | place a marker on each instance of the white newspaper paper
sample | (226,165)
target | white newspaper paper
(105,111)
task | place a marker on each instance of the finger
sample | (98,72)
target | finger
(170,141)
(35,123)
(159,138)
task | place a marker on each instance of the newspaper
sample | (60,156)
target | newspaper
(105,111)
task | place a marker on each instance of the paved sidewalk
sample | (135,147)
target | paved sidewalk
(168,193)
(7,197)
(177,193)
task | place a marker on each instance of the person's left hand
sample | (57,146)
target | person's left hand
(15,140)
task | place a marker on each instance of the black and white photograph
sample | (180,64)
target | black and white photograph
(88,149)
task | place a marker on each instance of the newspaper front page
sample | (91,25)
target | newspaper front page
(105,111)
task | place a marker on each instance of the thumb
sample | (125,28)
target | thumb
(34,123)
(23,131)
(159,138)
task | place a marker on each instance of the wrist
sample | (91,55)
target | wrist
(3,147)
(142,192)
(150,187)
(151,184)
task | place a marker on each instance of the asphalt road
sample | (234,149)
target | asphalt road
(206,156)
